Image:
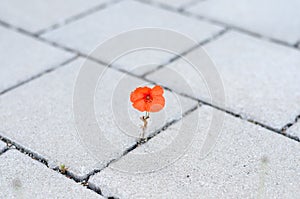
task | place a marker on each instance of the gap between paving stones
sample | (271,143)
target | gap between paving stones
(219,23)
(279,131)
(176,57)
(39,75)
(188,5)
(77,16)
(33,155)
(25,32)
(4,150)
(168,7)
(13,145)
(287,126)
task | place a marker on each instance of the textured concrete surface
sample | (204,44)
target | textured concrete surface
(35,16)
(267,90)
(255,46)
(125,16)
(246,162)
(23,177)
(44,120)
(2,146)
(271,18)
(24,57)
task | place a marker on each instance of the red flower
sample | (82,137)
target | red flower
(147,99)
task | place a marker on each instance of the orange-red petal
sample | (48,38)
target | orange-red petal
(140,105)
(139,93)
(157,104)
(157,90)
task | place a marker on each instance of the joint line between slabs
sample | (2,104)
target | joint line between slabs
(176,57)
(278,131)
(297,44)
(6,148)
(37,76)
(76,17)
(189,4)
(290,124)
(220,23)
(40,39)
(11,145)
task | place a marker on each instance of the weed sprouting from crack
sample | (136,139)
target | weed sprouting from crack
(138,143)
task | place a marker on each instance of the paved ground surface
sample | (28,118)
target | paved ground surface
(255,46)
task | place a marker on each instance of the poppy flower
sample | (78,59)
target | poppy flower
(147,99)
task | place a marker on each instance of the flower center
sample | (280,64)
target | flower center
(148,98)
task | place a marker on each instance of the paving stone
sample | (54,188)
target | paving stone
(40,117)
(261,79)
(23,177)
(246,162)
(24,57)
(272,18)
(34,15)
(2,146)
(125,16)
(294,130)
